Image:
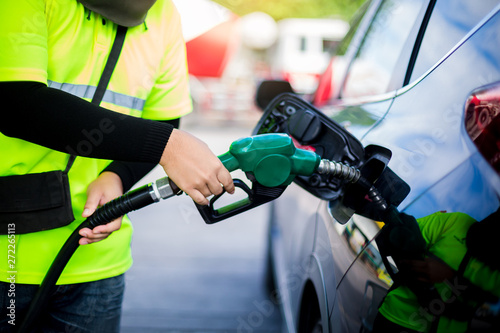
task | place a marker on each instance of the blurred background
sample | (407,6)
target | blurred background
(192,277)
(232,45)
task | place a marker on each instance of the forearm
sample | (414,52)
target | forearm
(66,123)
(131,172)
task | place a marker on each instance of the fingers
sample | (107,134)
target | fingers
(201,192)
(198,197)
(93,199)
(216,186)
(99,233)
(226,180)
(193,167)
(102,190)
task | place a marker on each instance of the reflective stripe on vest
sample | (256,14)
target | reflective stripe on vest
(84,91)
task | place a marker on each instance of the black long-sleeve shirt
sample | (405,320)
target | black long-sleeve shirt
(60,121)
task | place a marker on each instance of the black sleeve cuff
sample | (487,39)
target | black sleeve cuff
(131,172)
(155,141)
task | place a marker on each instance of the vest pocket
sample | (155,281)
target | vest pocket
(34,202)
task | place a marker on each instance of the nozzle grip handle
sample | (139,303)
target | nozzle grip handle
(257,195)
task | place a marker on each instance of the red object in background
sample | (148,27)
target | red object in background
(209,53)
(324,91)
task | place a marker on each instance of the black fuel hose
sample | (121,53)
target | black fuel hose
(130,201)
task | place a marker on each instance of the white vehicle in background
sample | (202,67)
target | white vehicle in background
(303,49)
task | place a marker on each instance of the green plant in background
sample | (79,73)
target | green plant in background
(280,9)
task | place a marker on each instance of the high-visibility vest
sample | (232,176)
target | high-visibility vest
(64,45)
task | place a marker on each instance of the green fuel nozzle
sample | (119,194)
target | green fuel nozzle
(272,159)
(271,162)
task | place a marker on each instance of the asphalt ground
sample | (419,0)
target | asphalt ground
(188,276)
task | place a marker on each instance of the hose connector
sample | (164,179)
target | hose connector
(163,188)
(339,169)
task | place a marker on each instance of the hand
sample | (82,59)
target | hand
(192,166)
(105,188)
(430,270)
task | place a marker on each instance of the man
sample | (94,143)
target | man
(53,55)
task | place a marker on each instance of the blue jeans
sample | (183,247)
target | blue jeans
(84,307)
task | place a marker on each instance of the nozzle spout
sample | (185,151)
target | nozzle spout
(339,169)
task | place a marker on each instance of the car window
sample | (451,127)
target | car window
(450,21)
(354,25)
(371,71)
(329,83)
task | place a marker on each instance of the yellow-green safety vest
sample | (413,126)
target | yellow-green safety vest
(62,44)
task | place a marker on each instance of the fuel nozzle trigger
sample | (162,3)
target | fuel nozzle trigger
(256,196)
(270,162)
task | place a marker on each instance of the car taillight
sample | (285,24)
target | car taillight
(482,122)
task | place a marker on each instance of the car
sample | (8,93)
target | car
(412,97)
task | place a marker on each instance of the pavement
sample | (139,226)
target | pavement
(188,276)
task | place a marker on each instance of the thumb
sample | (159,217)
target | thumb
(91,204)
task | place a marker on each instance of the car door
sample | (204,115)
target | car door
(428,112)
(363,98)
